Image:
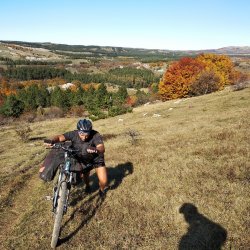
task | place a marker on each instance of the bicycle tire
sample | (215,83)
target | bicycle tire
(59,212)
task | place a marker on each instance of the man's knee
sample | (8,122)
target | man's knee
(102,174)
(103,181)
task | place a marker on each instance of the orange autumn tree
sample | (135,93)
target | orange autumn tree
(238,77)
(5,88)
(178,78)
(221,65)
(197,73)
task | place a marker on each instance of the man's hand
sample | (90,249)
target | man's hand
(48,143)
(92,150)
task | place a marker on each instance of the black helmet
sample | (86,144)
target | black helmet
(84,126)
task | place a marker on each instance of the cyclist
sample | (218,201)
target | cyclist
(91,150)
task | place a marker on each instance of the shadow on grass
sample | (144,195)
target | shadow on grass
(115,176)
(90,206)
(87,210)
(118,173)
(38,138)
(202,234)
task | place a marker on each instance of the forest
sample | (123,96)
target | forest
(35,86)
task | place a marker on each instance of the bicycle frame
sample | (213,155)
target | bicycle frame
(61,191)
(64,170)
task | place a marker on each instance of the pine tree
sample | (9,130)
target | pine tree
(122,93)
(12,106)
(60,98)
(102,96)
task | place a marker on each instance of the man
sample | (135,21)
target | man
(91,150)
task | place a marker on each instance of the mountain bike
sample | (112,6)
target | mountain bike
(61,190)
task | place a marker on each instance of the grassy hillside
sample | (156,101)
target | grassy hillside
(182,182)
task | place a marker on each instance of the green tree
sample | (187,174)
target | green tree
(79,96)
(122,94)
(29,97)
(59,98)
(34,96)
(12,106)
(43,97)
(90,99)
(102,96)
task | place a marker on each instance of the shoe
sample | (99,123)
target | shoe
(103,193)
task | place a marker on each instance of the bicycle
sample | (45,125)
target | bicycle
(62,189)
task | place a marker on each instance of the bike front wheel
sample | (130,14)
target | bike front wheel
(61,202)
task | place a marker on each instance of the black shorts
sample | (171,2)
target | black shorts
(87,165)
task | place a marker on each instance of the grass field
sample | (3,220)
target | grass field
(179,174)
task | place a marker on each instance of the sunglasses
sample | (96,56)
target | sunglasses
(83,132)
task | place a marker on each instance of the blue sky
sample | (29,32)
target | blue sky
(152,24)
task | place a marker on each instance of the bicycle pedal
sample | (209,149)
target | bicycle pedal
(48,197)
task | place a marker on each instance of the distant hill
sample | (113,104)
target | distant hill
(80,51)
(235,50)
(231,50)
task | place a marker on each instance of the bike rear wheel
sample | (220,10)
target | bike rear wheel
(59,211)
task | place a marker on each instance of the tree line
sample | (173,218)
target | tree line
(97,101)
(128,76)
(34,73)
(9,62)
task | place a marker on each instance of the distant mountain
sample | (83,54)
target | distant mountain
(230,50)
(93,51)
(235,50)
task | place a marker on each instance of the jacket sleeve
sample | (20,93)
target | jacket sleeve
(69,135)
(97,140)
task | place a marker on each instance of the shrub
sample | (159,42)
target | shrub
(133,136)
(131,101)
(142,98)
(77,111)
(206,83)
(28,117)
(23,132)
(118,110)
(97,114)
(239,86)
(240,80)
(4,120)
(53,112)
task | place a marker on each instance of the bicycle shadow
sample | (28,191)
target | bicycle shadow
(87,210)
(202,234)
(90,206)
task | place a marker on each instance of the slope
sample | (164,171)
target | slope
(178,171)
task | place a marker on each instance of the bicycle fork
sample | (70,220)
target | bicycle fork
(56,192)
(68,190)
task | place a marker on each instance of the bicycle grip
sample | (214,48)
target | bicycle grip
(48,141)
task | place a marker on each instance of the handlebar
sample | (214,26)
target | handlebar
(60,146)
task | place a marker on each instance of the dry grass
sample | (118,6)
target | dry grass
(194,155)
